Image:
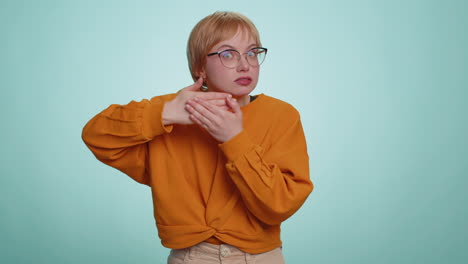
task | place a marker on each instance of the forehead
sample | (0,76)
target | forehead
(243,39)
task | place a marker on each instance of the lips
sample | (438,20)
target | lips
(244,80)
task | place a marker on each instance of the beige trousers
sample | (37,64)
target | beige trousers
(206,253)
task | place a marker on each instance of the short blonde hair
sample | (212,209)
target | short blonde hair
(210,31)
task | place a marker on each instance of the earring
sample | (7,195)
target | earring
(204,87)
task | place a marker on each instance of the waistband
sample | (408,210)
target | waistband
(210,253)
(217,250)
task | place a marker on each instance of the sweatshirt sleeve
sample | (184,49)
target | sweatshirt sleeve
(119,135)
(273,182)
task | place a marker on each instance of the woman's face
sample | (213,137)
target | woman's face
(239,81)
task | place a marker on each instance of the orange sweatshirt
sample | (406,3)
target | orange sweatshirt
(237,192)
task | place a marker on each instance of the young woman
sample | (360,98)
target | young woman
(225,167)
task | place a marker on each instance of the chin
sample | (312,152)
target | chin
(236,90)
(241,90)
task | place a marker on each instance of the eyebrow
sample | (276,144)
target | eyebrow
(231,47)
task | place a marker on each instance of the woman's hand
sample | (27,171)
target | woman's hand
(222,124)
(174,111)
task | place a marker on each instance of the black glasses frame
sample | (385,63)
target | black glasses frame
(219,55)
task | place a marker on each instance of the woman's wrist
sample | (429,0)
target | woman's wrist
(166,114)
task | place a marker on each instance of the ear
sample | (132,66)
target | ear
(202,73)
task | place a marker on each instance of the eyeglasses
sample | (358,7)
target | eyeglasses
(230,58)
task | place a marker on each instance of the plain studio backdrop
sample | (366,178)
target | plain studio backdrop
(380,85)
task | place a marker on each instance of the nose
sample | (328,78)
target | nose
(243,65)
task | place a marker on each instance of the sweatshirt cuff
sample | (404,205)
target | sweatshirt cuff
(236,146)
(152,119)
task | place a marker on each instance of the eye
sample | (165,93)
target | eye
(227,55)
(252,53)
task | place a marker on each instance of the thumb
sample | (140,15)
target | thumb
(232,103)
(195,86)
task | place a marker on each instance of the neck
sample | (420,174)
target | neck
(242,100)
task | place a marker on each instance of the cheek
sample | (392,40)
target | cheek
(218,74)
(255,74)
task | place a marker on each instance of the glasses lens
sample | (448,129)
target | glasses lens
(256,56)
(229,58)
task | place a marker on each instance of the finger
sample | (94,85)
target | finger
(199,112)
(218,102)
(210,107)
(213,95)
(196,120)
(195,86)
(232,103)
(210,112)
(223,107)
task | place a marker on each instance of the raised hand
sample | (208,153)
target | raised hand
(220,123)
(174,111)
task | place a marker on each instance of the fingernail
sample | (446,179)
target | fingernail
(229,95)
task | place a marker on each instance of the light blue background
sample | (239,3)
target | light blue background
(381,87)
